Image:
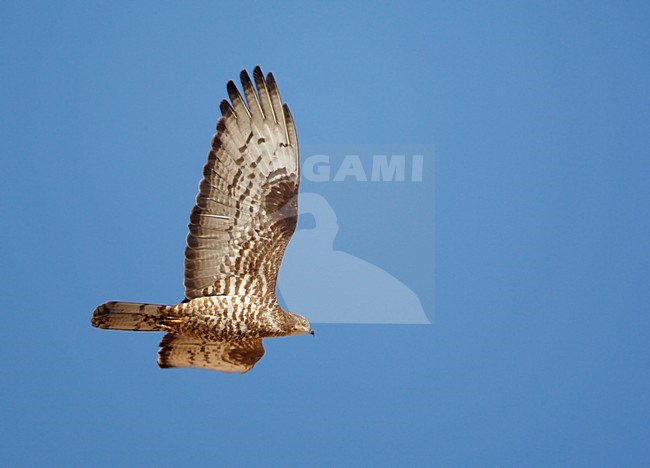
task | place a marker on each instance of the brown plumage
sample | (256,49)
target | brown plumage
(245,213)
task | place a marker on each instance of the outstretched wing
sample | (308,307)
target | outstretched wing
(184,351)
(246,209)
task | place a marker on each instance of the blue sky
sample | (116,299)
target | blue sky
(536,262)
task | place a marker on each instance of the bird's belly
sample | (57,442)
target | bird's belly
(218,318)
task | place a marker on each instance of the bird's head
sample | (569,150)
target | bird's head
(300,325)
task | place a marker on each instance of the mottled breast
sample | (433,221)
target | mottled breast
(222,318)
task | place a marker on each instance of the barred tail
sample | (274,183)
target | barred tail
(129,316)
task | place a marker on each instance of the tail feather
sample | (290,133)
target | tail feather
(129,316)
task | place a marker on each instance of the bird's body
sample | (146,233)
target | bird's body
(212,318)
(245,214)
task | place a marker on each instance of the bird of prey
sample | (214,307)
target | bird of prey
(245,213)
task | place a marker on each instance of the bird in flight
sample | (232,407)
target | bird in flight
(245,213)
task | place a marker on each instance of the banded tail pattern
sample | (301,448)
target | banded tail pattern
(129,316)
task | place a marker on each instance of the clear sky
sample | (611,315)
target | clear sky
(536,262)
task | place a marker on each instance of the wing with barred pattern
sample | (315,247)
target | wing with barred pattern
(184,351)
(246,209)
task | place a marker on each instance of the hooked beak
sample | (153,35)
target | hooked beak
(312,333)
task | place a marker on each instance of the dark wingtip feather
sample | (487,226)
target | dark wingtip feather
(244,77)
(291,126)
(251,93)
(257,73)
(164,350)
(231,87)
(226,109)
(233,92)
(263,93)
(272,86)
(216,142)
(221,125)
(258,76)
